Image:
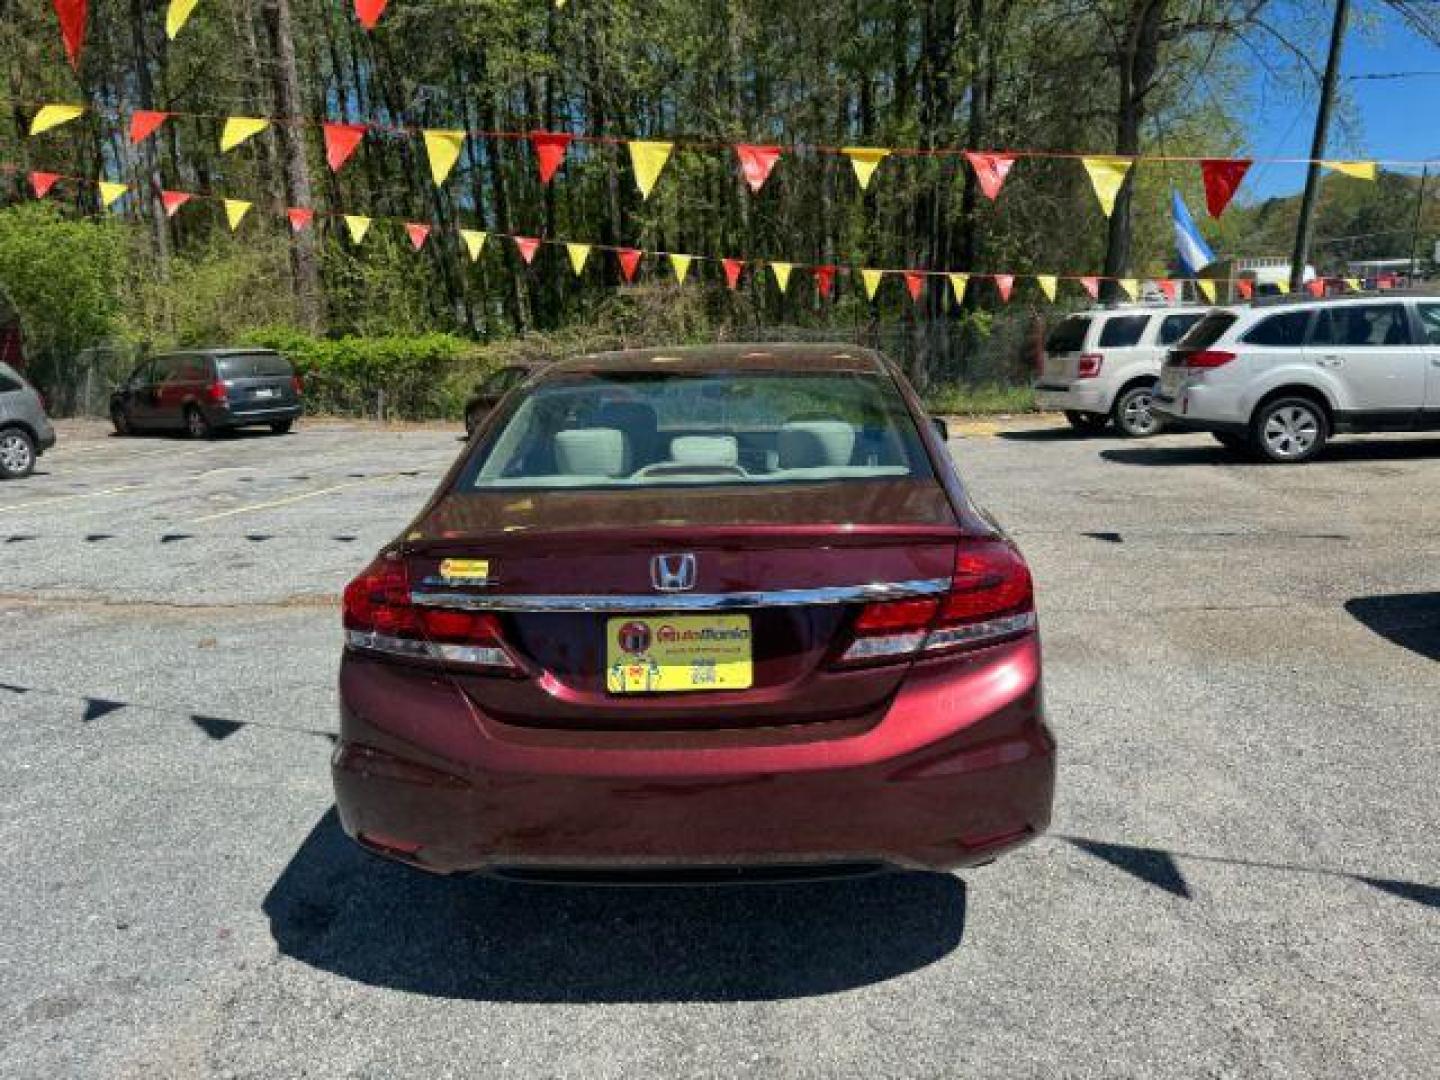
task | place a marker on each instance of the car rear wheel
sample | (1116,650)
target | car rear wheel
(1087,422)
(1132,413)
(121,421)
(1289,430)
(196,426)
(17,454)
(282,427)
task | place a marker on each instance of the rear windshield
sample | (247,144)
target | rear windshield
(648,429)
(1069,336)
(1122,331)
(1173,327)
(1208,330)
(253,365)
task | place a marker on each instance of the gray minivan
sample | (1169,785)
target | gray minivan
(201,391)
(25,431)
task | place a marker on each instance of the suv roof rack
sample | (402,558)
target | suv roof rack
(1364,294)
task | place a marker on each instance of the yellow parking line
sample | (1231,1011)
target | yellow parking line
(70,498)
(295,498)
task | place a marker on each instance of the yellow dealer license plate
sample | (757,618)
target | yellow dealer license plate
(653,654)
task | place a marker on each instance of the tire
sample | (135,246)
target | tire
(121,421)
(17,453)
(1289,430)
(1132,415)
(196,426)
(1087,422)
(282,427)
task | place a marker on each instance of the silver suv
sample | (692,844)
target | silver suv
(25,431)
(1278,379)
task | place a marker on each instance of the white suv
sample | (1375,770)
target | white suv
(1102,365)
(1279,379)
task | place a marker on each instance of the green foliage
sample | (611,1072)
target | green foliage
(981,399)
(63,277)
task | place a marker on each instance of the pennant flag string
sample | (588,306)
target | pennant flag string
(647,159)
(42,182)
(474,242)
(239,128)
(990,171)
(358,226)
(177,15)
(143,123)
(71,14)
(756,163)
(300,218)
(1107,175)
(235,211)
(110,192)
(369,12)
(732,272)
(417,233)
(579,255)
(1221,177)
(781,270)
(549,147)
(340,142)
(52,116)
(865,160)
(443,150)
(629,262)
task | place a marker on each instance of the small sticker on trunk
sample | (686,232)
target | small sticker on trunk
(471,570)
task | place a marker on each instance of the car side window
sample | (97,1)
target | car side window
(1285,330)
(1174,327)
(165,369)
(1430,323)
(1122,331)
(1362,326)
(193,369)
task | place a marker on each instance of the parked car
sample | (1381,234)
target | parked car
(25,430)
(1101,366)
(700,609)
(1278,379)
(203,391)
(494,387)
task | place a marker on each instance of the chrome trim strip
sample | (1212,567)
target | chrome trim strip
(830,594)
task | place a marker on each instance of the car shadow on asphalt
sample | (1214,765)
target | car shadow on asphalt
(1047,434)
(342,910)
(1336,453)
(1410,620)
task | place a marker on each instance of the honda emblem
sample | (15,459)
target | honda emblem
(673,573)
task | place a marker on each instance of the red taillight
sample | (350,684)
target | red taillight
(991,598)
(380,616)
(1207,358)
(297,384)
(1090,365)
(216,391)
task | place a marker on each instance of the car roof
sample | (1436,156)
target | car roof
(219,350)
(769,356)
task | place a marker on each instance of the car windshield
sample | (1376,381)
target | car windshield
(253,365)
(647,429)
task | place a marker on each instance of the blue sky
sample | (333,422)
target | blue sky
(1384,118)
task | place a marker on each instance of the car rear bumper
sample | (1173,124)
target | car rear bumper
(240,417)
(1178,412)
(1061,398)
(44,438)
(960,768)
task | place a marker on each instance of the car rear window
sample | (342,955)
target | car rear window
(1068,336)
(1208,330)
(649,429)
(1284,330)
(256,365)
(1173,327)
(1122,331)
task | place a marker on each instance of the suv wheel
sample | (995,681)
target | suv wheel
(1132,414)
(196,426)
(1087,422)
(17,454)
(1289,430)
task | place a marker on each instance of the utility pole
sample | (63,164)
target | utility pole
(1317,148)
(1415,228)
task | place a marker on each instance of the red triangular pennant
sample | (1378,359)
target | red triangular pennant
(418,234)
(1316,287)
(1167,288)
(340,142)
(42,182)
(915,282)
(71,14)
(300,218)
(1005,283)
(1245,288)
(990,170)
(1222,176)
(824,280)
(143,124)
(629,261)
(1092,286)
(369,12)
(756,163)
(732,272)
(527,246)
(173,200)
(549,147)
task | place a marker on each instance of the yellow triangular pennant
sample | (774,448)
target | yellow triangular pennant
(1107,174)
(177,15)
(239,128)
(958,284)
(1206,288)
(1353,284)
(865,159)
(1129,286)
(781,270)
(474,242)
(872,279)
(109,192)
(443,150)
(681,265)
(1048,284)
(235,211)
(578,253)
(358,226)
(1283,287)
(1360,170)
(647,159)
(52,116)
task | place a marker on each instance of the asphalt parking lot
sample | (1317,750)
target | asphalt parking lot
(1243,877)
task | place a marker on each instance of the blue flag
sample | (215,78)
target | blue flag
(1190,246)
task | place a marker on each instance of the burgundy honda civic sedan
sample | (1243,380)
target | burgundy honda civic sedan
(698,611)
